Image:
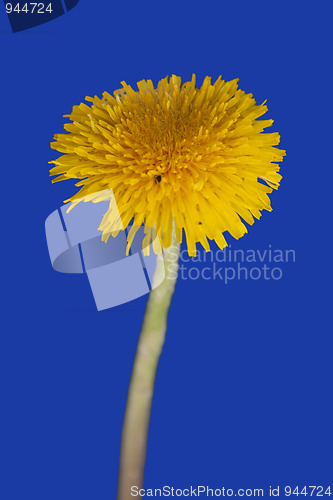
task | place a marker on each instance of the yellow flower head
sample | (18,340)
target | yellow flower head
(174,155)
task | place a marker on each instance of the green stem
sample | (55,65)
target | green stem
(141,389)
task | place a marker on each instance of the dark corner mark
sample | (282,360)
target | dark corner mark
(70,4)
(25,15)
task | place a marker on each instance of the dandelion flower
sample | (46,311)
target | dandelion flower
(196,159)
(179,160)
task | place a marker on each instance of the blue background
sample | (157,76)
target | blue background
(244,387)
